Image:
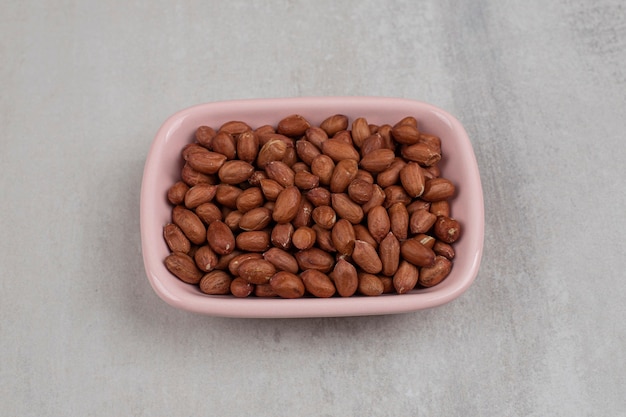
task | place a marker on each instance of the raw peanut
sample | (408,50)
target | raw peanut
(205,258)
(304,214)
(323,166)
(399,220)
(224,260)
(305,180)
(364,176)
(271,189)
(235,262)
(192,148)
(432,171)
(433,275)
(360,131)
(407,120)
(223,143)
(255,241)
(345,171)
(372,143)
(318,283)
(339,150)
(440,208)
(299,167)
(416,253)
(431,140)
(346,208)
(247,146)
(443,249)
(192,177)
(418,204)
(315,258)
(369,284)
(316,135)
(234,127)
(235,172)
(264,291)
(287,285)
(281,235)
(389,253)
(204,135)
(378,199)
(344,136)
(377,160)
(323,238)
(378,223)
(199,194)
(365,256)
(183,267)
(318,196)
(405,134)
(391,175)
(360,191)
(241,288)
(421,221)
(324,216)
(190,224)
(249,199)
(255,219)
(280,172)
(256,177)
(395,194)
(293,125)
(215,283)
(176,193)
(269,205)
(176,239)
(345,278)
(227,195)
(307,151)
(334,124)
(264,130)
(273,150)
(291,157)
(287,204)
(447,229)
(422,153)
(256,271)
(405,278)
(232,219)
(268,137)
(425,240)
(220,238)
(361,233)
(385,132)
(282,260)
(437,189)
(412,179)
(303,238)
(206,162)
(387,284)
(343,237)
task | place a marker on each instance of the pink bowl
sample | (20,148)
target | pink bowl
(163,166)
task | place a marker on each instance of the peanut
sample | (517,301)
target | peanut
(295,210)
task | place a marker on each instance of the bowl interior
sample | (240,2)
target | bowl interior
(163,167)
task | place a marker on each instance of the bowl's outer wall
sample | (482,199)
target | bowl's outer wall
(163,166)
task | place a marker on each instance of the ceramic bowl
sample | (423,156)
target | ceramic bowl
(163,165)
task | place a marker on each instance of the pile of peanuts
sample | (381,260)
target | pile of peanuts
(340,209)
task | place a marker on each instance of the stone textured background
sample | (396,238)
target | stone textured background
(540,87)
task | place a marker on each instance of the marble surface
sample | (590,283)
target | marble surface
(540,87)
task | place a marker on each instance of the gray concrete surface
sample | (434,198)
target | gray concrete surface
(540,87)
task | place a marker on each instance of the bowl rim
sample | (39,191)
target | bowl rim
(227,306)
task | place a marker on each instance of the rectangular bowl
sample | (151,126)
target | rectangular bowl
(162,169)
